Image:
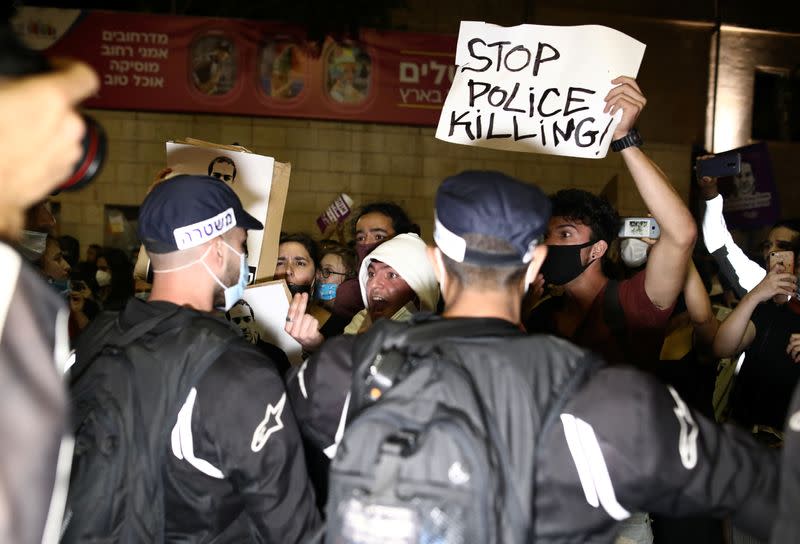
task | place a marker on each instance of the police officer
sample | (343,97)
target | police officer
(235,462)
(621,443)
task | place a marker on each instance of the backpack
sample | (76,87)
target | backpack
(421,459)
(125,395)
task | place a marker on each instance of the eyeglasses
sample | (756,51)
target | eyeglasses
(326,273)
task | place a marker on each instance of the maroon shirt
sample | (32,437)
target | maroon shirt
(645,325)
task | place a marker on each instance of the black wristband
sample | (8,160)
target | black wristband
(631,139)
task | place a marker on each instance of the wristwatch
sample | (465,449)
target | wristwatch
(631,139)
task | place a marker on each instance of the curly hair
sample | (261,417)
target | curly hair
(594,211)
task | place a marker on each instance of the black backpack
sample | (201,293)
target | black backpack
(126,390)
(421,460)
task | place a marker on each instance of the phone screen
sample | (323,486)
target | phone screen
(786,258)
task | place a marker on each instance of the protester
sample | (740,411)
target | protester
(742,273)
(621,443)
(396,282)
(298,255)
(40,129)
(762,325)
(235,453)
(337,264)
(372,225)
(54,267)
(114,277)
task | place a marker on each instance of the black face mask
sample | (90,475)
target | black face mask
(295,289)
(563,263)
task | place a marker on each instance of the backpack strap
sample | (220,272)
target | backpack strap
(109,332)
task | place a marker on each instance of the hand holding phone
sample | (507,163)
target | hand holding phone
(639,227)
(718,166)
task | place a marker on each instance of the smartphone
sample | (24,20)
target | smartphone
(639,227)
(718,166)
(786,258)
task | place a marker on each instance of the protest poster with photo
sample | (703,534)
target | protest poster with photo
(751,196)
(536,88)
(261,316)
(251,176)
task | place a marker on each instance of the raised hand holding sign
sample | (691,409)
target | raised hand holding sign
(541,89)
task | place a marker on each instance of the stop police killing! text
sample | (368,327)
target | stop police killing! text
(547,102)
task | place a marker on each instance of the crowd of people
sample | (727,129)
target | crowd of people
(584,365)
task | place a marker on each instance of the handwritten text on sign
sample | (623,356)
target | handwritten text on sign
(536,88)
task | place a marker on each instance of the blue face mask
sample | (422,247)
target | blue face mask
(326,291)
(235,292)
(62,287)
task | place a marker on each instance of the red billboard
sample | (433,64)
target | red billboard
(208,65)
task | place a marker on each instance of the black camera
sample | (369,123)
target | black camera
(17,60)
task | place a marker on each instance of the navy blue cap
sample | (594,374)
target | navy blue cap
(490,204)
(187,211)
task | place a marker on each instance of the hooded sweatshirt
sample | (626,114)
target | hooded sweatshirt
(406,254)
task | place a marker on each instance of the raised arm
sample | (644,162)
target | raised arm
(736,333)
(666,265)
(741,272)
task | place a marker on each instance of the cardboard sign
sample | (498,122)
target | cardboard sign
(537,88)
(262,317)
(260,182)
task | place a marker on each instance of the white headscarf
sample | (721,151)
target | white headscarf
(406,254)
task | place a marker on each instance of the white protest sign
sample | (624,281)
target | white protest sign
(267,304)
(536,88)
(248,174)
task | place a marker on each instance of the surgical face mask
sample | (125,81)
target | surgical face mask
(633,252)
(326,291)
(297,289)
(32,244)
(62,287)
(563,263)
(233,293)
(103,278)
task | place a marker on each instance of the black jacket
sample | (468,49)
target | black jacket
(626,443)
(235,467)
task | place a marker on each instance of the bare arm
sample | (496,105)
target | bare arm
(698,305)
(736,333)
(666,265)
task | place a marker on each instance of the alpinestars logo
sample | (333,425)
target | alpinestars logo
(272,424)
(687,442)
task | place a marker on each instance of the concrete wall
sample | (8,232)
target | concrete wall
(367,161)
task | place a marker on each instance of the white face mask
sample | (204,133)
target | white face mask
(32,244)
(103,278)
(633,252)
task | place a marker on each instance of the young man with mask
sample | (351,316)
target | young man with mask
(627,323)
(580,231)
(227,461)
(621,441)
